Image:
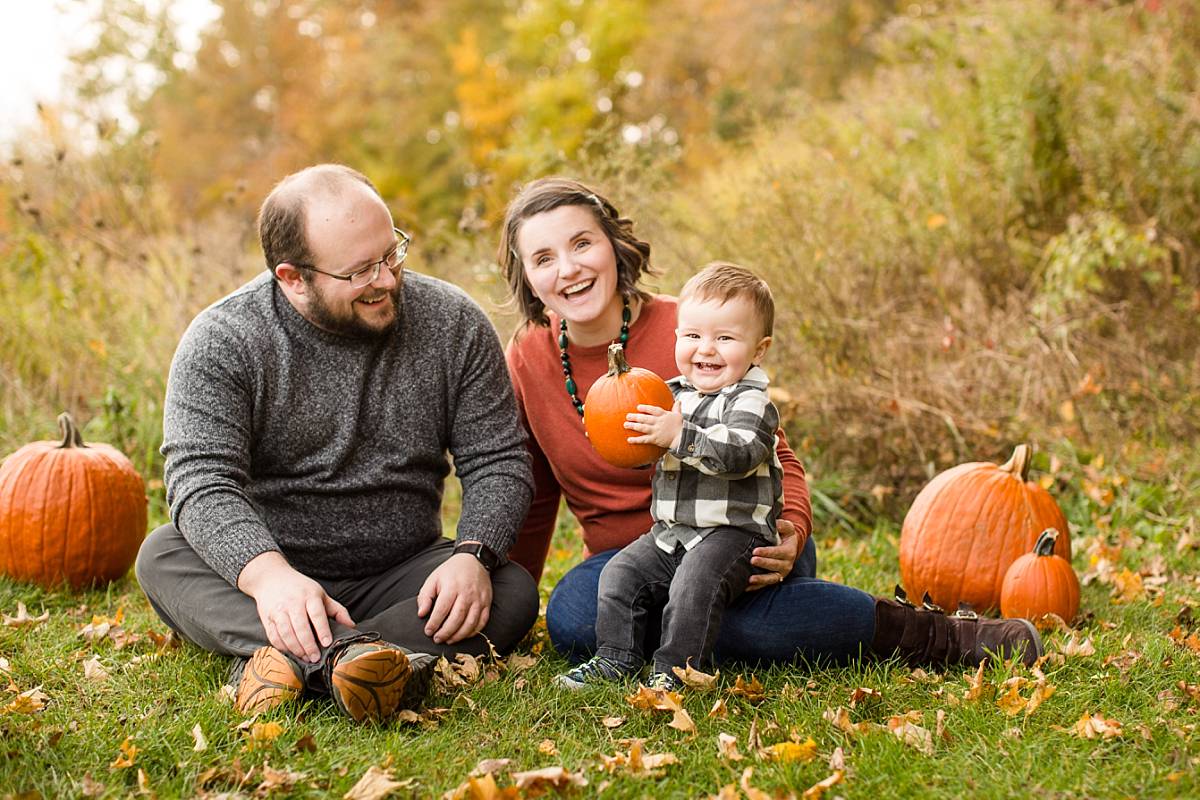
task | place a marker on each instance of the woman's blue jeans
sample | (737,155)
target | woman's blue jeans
(800,619)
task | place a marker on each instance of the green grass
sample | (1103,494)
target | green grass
(156,701)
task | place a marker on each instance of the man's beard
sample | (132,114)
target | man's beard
(350,325)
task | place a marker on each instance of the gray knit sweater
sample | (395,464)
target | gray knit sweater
(333,451)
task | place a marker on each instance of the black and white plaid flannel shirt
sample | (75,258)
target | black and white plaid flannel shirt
(725,471)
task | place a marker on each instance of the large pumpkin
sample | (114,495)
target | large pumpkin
(1040,583)
(69,511)
(969,524)
(613,396)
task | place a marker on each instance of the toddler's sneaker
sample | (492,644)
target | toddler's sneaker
(265,680)
(665,681)
(594,671)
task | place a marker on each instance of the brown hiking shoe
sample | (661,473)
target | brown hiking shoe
(368,680)
(265,680)
(927,636)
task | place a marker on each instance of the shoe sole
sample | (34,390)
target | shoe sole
(268,680)
(372,684)
(417,686)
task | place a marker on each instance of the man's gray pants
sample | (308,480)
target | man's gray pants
(205,609)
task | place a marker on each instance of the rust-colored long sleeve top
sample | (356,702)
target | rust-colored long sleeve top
(611,503)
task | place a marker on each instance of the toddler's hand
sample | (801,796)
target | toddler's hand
(656,425)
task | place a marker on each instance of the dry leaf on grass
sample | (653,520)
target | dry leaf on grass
(655,699)
(1096,726)
(837,760)
(553,777)
(1074,648)
(5,667)
(305,744)
(547,747)
(127,755)
(719,709)
(638,763)
(1051,622)
(727,747)
(1190,642)
(277,780)
(840,719)
(817,790)
(29,701)
(863,695)
(682,721)
(751,792)
(519,663)
(143,782)
(1127,587)
(374,784)
(788,752)
(612,722)
(93,670)
(726,792)
(201,744)
(695,679)
(752,690)
(261,734)
(492,765)
(911,734)
(23,619)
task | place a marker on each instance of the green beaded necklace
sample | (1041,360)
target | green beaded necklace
(572,390)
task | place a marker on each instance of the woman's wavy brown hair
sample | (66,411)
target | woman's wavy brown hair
(547,194)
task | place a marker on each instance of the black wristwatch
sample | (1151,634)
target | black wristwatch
(482,553)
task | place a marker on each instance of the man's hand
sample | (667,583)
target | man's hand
(456,598)
(656,425)
(291,606)
(779,559)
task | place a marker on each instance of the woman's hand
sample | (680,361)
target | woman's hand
(779,559)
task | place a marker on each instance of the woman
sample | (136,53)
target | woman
(573,266)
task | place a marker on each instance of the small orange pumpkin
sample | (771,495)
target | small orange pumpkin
(969,524)
(69,511)
(613,396)
(1040,583)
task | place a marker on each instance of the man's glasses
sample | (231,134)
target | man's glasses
(365,276)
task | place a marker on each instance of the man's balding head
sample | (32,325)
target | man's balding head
(281,221)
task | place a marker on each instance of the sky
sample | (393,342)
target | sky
(36,37)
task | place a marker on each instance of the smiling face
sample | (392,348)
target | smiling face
(344,232)
(570,266)
(717,342)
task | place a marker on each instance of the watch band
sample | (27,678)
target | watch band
(483,554)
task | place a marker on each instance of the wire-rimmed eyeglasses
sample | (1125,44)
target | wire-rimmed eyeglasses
(368,274)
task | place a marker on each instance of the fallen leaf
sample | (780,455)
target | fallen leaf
(682,721)
(837,760)
(1011,701)
(612,722)
(128,753)
(29,701)
(751,792)
(143,782)
(261,733)
(655,699)
(22,618)
(863,695)
(1127,587)
(788,752)
(519,663)
(198,735)
(305,744)
(1040,693)
(939,731)
(94,671)
(5,667)
(913,735)
(90,787)
(556,777)
(726,792)
(637,762)
(719,709)
(695,679)
(727,747)
(977,687)
(374,784)
(1079,649)
(752,690)
(1051,622)
(277,779)
(492,765)
(1096,725)
(547,748)
(840,719)
(817,790)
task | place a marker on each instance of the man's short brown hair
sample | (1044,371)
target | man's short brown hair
(723,281)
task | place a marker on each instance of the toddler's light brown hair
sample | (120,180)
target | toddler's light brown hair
(721,280)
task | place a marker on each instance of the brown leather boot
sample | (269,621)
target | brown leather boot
(928,637)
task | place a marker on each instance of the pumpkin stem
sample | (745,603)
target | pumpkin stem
(70,434)
(1045,543)
(616,359)
(1019,463)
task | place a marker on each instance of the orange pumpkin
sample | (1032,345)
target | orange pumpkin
(1040,583)
(613,396)
(69,511)
(969,524)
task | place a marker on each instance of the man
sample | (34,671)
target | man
(307,420)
